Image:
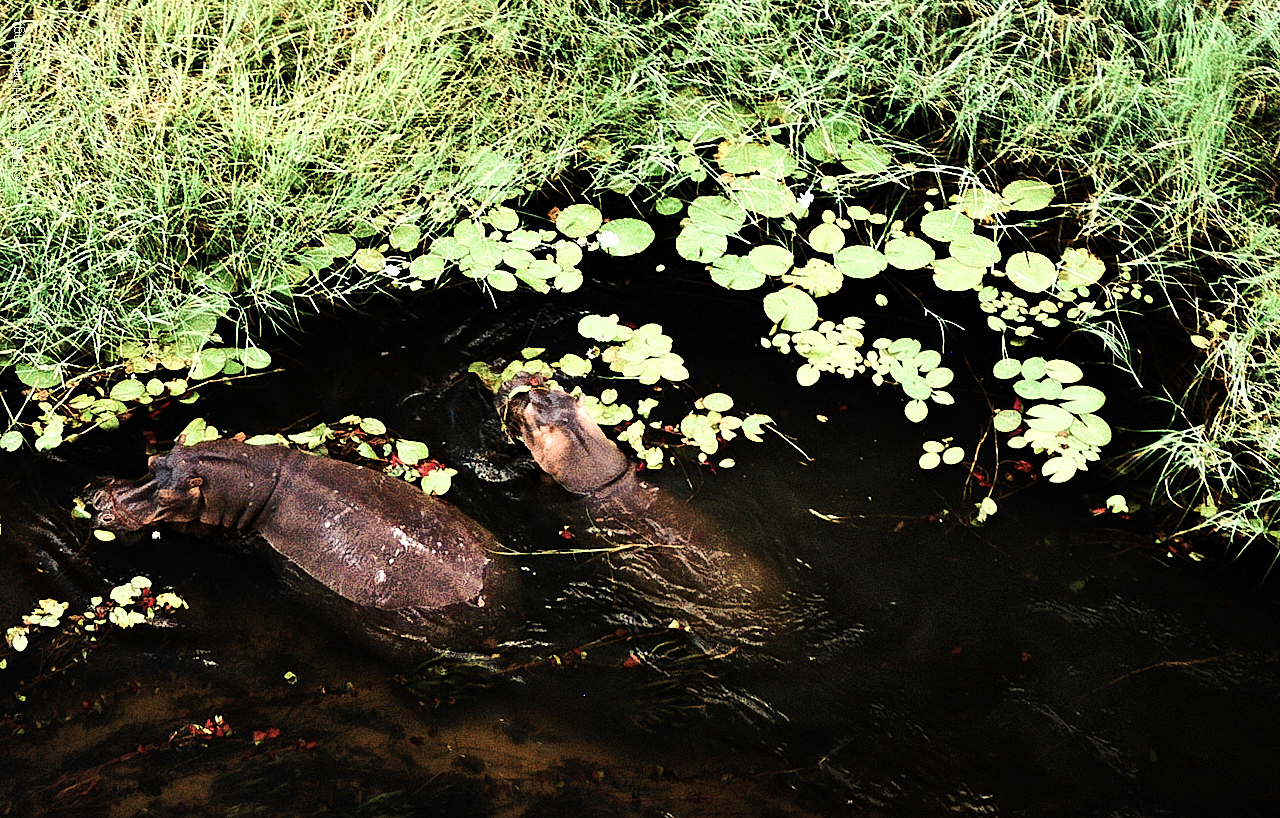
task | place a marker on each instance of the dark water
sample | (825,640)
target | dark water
(1047,664)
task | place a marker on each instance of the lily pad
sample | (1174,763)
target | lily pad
(975,251)
(1047,417)
(1007,420)
(1028,194)
(1082,399)
(405,237)
(979,203)
(792,308)
(370,259)
(1031,272)
(908,253)
(860,261)
(826,238)
(579,220)
(697,243)
(864,159)
(1080,268)
(736,273)
(632,236)
(771,259)
(770,159)
(763,195)
(1063,371)
(951,275)
(946,225)
(817,276)
(830,140)
(716,214)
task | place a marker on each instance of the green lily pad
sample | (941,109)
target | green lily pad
(770,159)
(1080,268)
(830,140)
(763,195)
(1091,430)
(370,259)
(1059,469)
(696,243)
(951,275)
(817,276)
(865,159)
(1082,399)
(1007,420)
(975,251)
(405,237)
(668,206)
(771,259)
(736,273)
(44,374)
(916,410)
(946,225)
(625,237)
(860,261)
(979,203)
(339,244)
(716,214)
(826,238)
(1047,417)
(503,218)
(908,253)
(1063,371)
(1031,272)
(427,268)
(792,308)
(579,220)
(1028,194)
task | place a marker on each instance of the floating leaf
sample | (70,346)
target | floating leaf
(1080,268)
(830,140)
(770,159)
(339,244)
(946,225)
(736,273)
(908,253)
(668,206)
(370,259)
(979,203)
(953,455)
(11,440)
(763,195)
(1028,389)
(718,402)
(1063,371)
(817,276)
(771,259)
(860,261)
(1034,368)
(1031,272)
(405,237)
(794,309)
(808,374)
(1082,399)
(696,243)
(826,238)
(42,375)
(717,214)
(975,251)
(951,275)
(633,236)
(210,362)
(411,452)
(1092,430)
(1028,194)
(130,389)
(502,281)
(864,159)
(1059,469)
(255,358)
(1006,420)
(600,328)
(504,219)
(916,410)
(930,460)
(579,220)
(1046,417)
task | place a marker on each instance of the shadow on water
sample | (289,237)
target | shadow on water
(1038,666)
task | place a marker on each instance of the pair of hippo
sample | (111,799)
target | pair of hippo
(386,546)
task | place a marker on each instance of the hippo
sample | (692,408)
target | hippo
(673,562)
(374,540)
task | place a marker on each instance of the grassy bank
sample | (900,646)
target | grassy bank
(168,162)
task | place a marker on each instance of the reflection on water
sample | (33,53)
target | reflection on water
(1028,668)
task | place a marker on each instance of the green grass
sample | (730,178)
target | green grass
(165,161)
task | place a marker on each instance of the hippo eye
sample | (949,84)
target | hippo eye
(195,482)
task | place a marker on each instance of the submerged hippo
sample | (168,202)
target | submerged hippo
(373,539)
(672,561)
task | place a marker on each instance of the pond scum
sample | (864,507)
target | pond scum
(174,170)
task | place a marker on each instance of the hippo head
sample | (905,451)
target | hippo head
(564,440)
(171,492)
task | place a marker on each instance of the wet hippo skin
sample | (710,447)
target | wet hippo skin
(671,560)
(374,539)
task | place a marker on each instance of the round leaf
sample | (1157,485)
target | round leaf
(1059,469)
(716,214)
(826,238)
(370,259)
(130,389)
(736,273)
(860,261)
(1027,194)
(946,225)
(699,244)
(405,237)
(793,308)
(1007,368)
(1046,417)
(579,220)
(976,251)
(1080,268)
(930,460)
(908,253)
(411,452)
(808,374)
(1082,399)
(633,236)
(771,259)
(916,410)
(953,455)
(763,195)
(1006,420)
(1092,430)
(1031,272)
(953,276)
(667,206)
(1063,371)
(504,219)
(718,402)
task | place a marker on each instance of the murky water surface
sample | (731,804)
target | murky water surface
(1043,665)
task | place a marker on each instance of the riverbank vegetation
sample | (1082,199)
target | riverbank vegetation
(170,165)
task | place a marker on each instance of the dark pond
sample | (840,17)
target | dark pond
(1047,664)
